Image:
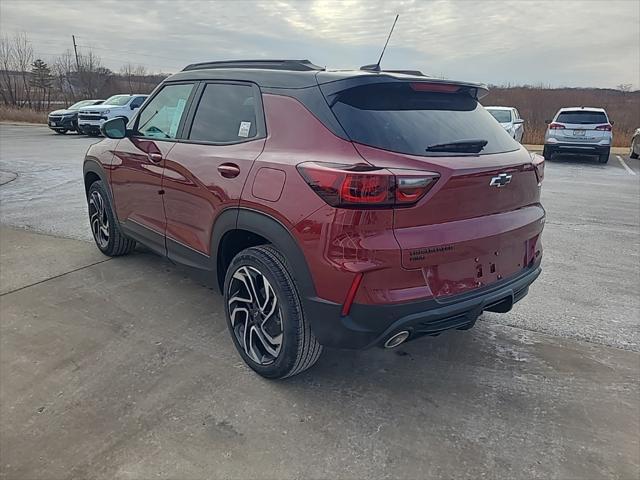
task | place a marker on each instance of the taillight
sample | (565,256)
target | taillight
(538,163)
(606,128)
(556,126)
(362,186)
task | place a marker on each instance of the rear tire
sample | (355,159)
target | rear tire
(105,227)
(547,153)
(61,132)
(604,157)
(632,153)
(265,315)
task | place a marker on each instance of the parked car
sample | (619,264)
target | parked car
(634,150)
(510,120)
(581,130)
(348,209)
(124,106)
(65,120)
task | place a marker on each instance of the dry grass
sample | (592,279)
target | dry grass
(539,104)
(22,115)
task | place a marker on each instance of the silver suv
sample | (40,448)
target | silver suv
(581,130)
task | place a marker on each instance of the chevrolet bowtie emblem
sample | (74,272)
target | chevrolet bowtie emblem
(501,180)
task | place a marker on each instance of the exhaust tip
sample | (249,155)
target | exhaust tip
(396,339)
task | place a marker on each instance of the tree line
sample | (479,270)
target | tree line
(27,81)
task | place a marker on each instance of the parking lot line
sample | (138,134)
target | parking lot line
(625,166)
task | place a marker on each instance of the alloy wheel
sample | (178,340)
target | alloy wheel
(99,219)
(256,318)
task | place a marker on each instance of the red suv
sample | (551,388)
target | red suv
(345,209)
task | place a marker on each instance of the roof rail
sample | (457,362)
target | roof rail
(295,65)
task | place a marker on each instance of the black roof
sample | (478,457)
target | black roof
(298,74)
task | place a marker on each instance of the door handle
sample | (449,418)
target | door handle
(229,170)
(155,157)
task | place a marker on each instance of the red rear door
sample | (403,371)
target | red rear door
(206,172)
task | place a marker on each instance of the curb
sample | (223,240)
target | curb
(22,124)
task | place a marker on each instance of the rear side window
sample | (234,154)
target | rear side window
(582,117)
(161,116)
(394,116)
(226,114)
(503,116)
(137,102)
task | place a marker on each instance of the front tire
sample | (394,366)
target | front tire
(265,315)
(105,228)
(61,132)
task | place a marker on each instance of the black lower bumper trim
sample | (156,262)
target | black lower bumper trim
(370,325)
(577,149)
(62,125)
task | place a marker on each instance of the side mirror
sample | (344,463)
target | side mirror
(133,106)
(547,122)
(612,122)
(114,128)
(518,121)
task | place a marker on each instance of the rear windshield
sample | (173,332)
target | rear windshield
(582,117)
(393,116)
(503,116)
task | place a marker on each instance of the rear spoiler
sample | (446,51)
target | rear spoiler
(331,87)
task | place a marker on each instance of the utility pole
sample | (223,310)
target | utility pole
(75,49)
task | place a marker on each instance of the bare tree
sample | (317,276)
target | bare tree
(126,72)
(624,87)
(63,69)
(92,75)
(23,58)
(140,73)
(8,85)
(134,76)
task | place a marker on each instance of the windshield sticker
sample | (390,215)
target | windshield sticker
(243,131)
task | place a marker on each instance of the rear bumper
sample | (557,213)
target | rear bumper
(371,325)
(588,149)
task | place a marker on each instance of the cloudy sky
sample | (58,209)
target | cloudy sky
(557,43)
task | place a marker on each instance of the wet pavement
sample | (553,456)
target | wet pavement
(124,369)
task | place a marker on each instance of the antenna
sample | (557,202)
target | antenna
(376,67)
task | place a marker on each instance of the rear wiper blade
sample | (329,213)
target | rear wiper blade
(464,146)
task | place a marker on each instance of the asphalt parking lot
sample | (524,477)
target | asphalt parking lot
(122,368)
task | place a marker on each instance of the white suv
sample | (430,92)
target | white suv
(509,119)
(582,130)
(91,118)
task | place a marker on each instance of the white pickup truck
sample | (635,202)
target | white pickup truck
(91,118)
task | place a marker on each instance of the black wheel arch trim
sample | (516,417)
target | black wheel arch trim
(274,231)
(91,165)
